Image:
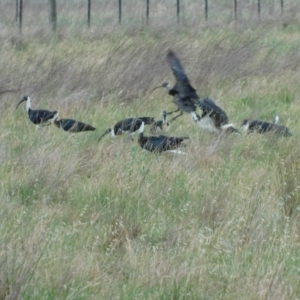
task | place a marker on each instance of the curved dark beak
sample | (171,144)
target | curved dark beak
(21,102)
(161,86)
(105,133)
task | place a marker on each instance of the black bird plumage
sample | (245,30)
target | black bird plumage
(38,116)
(265,127)
(213,118)
(129,125)
(160,143)
(209,107)
(71,125)
(182,86)
(183,92)
(187,100)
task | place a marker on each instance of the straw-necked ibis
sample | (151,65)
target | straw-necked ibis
(265,127)
(130,126)
(71,125)
(160,143)
(213,118)
(184,94)
(39,116)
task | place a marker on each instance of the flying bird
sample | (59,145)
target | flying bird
(184,95)
(213,118)
(129,126)
(39,117)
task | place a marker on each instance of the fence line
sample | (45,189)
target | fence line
(178,11)
(20,15)
(235,9)
(17,10)
(206,10)
(53,14)
(147,12)
(120,11)
(53,11)
(89,13)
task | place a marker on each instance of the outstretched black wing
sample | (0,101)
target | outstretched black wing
(182,86)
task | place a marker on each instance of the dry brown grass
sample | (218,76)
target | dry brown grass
(88,220)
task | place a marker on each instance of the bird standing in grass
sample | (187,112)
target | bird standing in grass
(160,143)
(213,118)
(160,124)
(130,126)
(71,125)
(39,117)
(265,127)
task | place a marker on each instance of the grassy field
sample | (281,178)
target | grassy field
(88,220)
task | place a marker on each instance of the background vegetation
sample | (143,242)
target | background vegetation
(87,220)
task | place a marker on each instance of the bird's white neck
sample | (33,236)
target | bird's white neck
(226,126)
(141,130)
(168,87)
(28,105)
(112,132)
(245,127)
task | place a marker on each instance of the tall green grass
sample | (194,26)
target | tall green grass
(88,220)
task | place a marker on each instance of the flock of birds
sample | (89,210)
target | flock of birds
(212,119)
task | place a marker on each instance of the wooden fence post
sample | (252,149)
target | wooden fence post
(206,10)
(20,15)
(89,13)
(258,8)
(178,11)
(120,11)
(235,9)
(281,5)
(147,12)
(17,10)
(53,14)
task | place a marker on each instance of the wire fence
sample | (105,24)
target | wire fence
(146,12)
